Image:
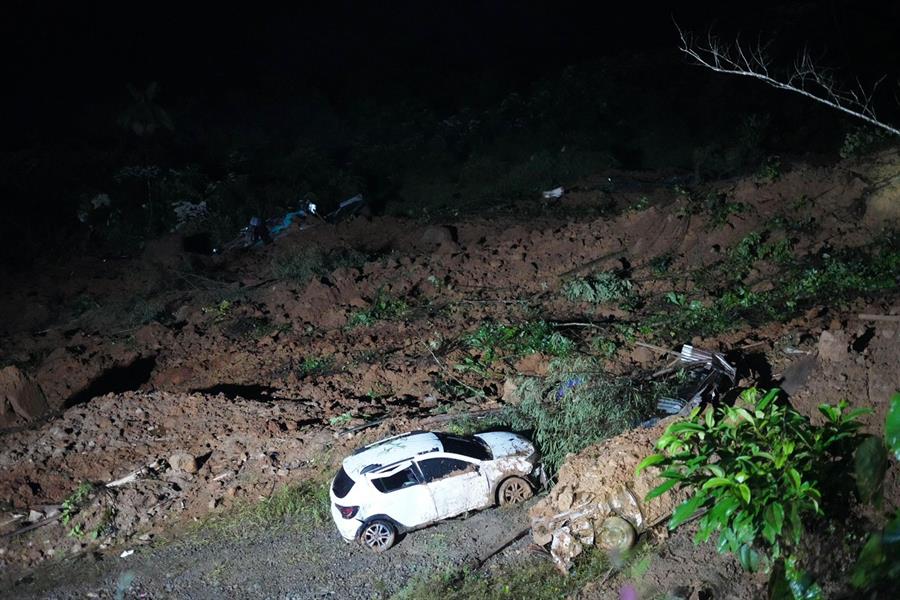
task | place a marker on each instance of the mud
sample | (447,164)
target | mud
(262,381)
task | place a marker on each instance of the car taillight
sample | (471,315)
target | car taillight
(348,512)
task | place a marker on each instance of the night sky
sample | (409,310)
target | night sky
(326,99)
(69,58)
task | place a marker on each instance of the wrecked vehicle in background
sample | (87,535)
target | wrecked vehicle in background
(406,482)
(598,500)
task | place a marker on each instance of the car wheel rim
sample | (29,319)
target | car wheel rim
(514,492)
(377,536)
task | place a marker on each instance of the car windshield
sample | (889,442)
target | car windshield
(466,446)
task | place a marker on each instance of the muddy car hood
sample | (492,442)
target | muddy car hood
(503,444)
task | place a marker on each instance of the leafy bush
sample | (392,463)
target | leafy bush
(758,472)
(577,405)
(383,307)
(495,339)
(861,141)
(601,288)
(878,564)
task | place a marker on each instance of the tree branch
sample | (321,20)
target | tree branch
(807,78)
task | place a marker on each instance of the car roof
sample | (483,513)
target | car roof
(390,451)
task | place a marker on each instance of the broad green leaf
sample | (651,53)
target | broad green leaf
(653,459)
(892,426)
(749,558)
(710,419)
(870,464)
(744,491)
(661,489)
(715,482)
(723,509)
(795,478)
(768,399)
(677,428)
(745,414)
(716,470)
(686,510)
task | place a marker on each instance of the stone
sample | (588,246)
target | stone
(184,462)
(833,346)
(20,397)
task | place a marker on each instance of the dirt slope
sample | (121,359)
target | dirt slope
(258,378)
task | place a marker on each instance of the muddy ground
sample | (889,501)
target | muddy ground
(215,380)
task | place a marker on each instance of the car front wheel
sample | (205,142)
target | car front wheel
(378,535)
(513,491)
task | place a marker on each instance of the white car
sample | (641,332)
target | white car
(406,482)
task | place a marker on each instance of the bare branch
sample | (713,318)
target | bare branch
(806,78)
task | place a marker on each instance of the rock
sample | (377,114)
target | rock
(437,236)
(833,346)
(643,356)
(20,397)
(184,462)
(34,516)
(510,392)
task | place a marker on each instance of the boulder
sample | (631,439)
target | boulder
(21,399)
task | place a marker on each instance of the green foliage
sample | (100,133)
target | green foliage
(315,365)
(495,340)
(309,263)
(870,465)
(770,170)
(661,264)
(600,288)
(861,141)
(758,470)
(878,564)
(220,312)
(576,405)
(73,504)
(384,307)
(892,426)
(303,506)
(341,420)
(832,278)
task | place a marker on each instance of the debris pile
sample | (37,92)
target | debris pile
(599,501)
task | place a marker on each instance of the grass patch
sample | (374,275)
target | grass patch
(384,307)
(302,506)
(600,288)
(828,277)
(532,579)
(315,365)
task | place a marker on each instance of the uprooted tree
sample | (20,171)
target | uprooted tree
(805,78)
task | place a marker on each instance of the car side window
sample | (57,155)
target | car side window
(440,467)
(397,481)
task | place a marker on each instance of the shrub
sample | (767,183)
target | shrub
(383,307)
(495,339)
(758,472)
(600,288)
(577,405)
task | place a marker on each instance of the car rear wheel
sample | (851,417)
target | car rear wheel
(378,535)
(513,491)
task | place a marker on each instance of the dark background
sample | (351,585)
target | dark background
(425,107)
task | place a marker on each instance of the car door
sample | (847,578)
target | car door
(403,496)
(456,485)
